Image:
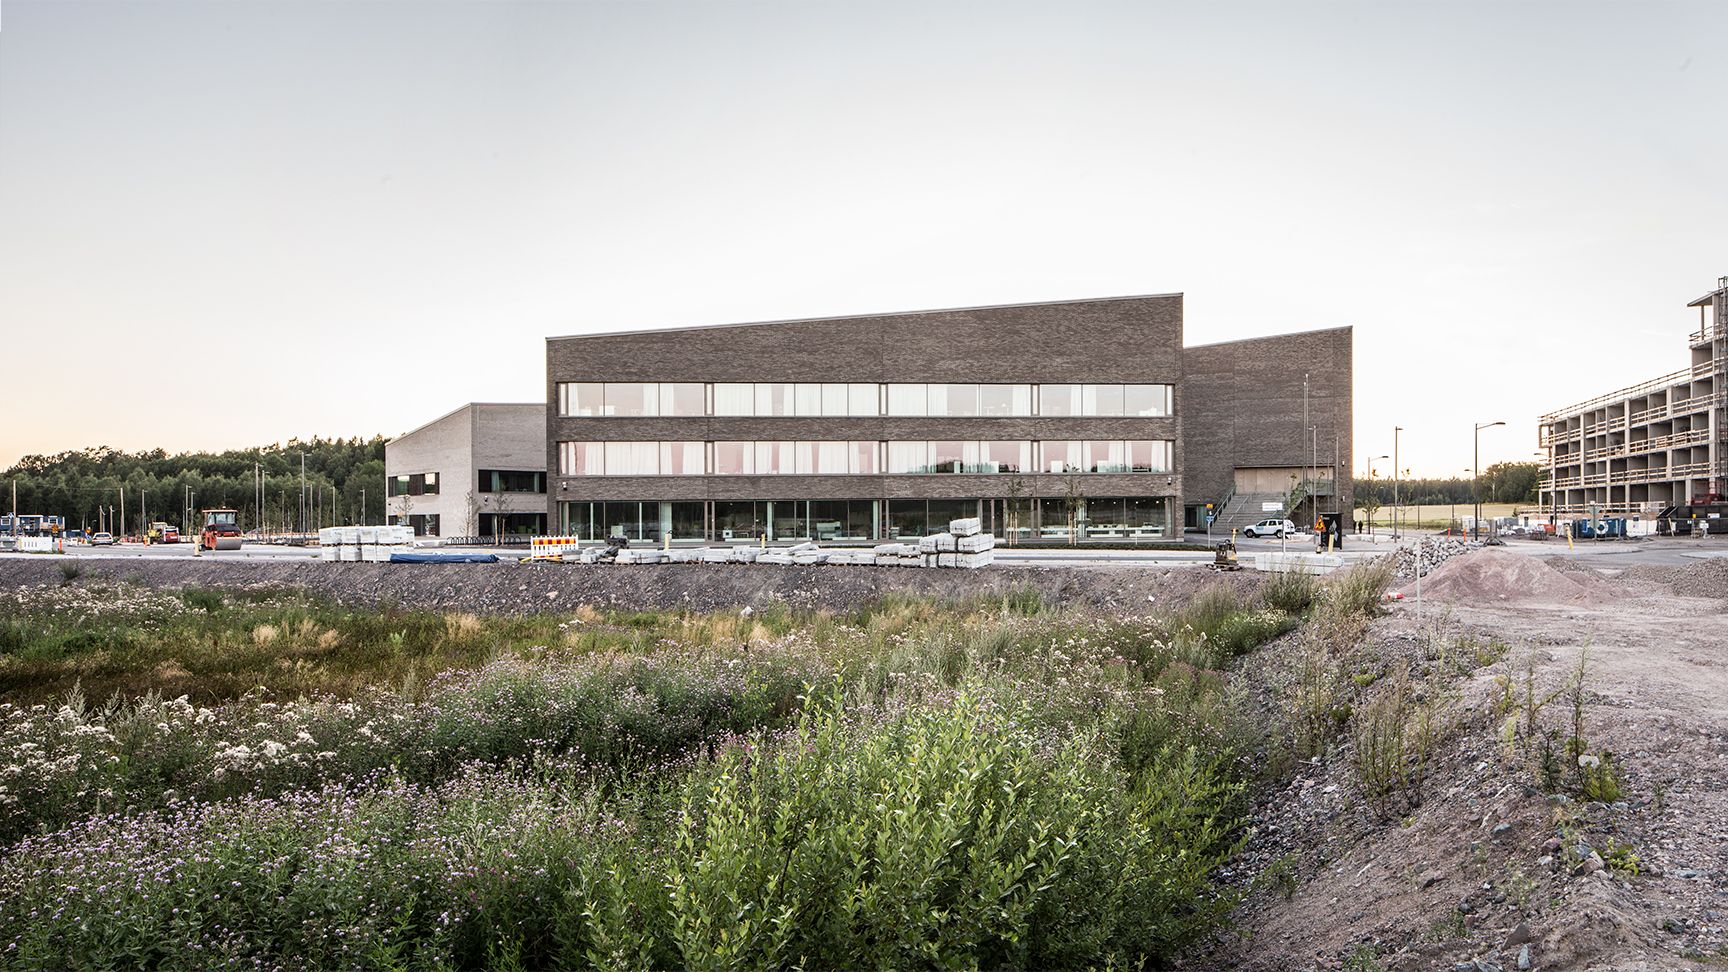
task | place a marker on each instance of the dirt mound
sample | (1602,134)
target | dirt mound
(1493,574)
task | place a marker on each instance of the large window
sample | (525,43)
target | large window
(512,481)
(1144,401)
(581,398)
(907,400)
(734,398)
(683,398)
(1006,456)
(1104,401)
(959,400)
(425,525)
(682,459)
(1107,456)
(908,457)
(734,458)
(837,399)
(1059,400)
(414,484)
(1149,455)
(790,457)
(631,458)
(1005,400)
(632,399)
(512,524)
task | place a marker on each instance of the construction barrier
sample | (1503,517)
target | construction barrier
(552,548)
(40,545)
(1297,563)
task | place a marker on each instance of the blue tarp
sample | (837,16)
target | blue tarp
(443,558)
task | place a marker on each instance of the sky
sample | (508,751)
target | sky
(225,224)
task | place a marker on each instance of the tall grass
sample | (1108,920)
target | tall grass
(995,783)
(960,837)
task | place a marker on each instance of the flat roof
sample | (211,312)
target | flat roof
(1272,337)
(857,317)
(1707,299)
(465,405)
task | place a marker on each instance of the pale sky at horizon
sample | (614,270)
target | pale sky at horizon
(371,212)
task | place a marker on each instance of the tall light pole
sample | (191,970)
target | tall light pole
(1396,509)
(302,494)
(1371,488)
(1476,479)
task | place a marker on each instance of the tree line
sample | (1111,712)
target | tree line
(1503,482)
(86,486)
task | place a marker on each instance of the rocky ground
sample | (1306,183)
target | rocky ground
(526,588)
(1486,867)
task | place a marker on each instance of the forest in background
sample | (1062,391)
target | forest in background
(83,485)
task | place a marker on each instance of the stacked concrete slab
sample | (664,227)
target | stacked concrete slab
(353,544)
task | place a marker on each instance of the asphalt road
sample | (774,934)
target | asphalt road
(1007,556)
(1604,555)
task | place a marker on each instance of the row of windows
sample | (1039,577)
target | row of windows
(863,457)
(1132,517)
(809,399)
(417,484)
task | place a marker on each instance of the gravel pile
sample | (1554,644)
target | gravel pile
(1706,578)
(1496,574)
(512,588)
(1433,552)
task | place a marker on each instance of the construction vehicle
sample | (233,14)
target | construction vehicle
(1224,555)
(163,533)
(221,530)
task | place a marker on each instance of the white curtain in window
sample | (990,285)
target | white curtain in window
(734,398)
(906,400)
(908,457)
(681,459)
(831,457)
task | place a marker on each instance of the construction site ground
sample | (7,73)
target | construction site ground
(1481,871)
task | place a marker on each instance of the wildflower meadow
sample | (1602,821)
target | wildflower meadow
(278,782)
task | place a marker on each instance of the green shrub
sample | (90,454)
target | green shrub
(1290,591)
(950,838)
(1361,590)
(1395,737)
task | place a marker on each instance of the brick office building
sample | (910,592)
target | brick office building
(1082,418)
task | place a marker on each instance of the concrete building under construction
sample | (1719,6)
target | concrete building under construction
(1655,445)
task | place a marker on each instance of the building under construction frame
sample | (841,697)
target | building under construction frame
(1653,446)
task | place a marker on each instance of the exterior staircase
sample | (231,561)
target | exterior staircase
(1243,509)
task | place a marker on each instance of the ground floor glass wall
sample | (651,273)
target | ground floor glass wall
(1081,518)
(512,524)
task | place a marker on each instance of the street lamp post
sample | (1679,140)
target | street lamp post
(1475,480)
(1396,508)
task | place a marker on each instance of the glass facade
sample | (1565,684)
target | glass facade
(512,524)
(1050,518)
(579,399)
(800,457)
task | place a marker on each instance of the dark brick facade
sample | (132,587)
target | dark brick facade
(1241,405)
(1128,340)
